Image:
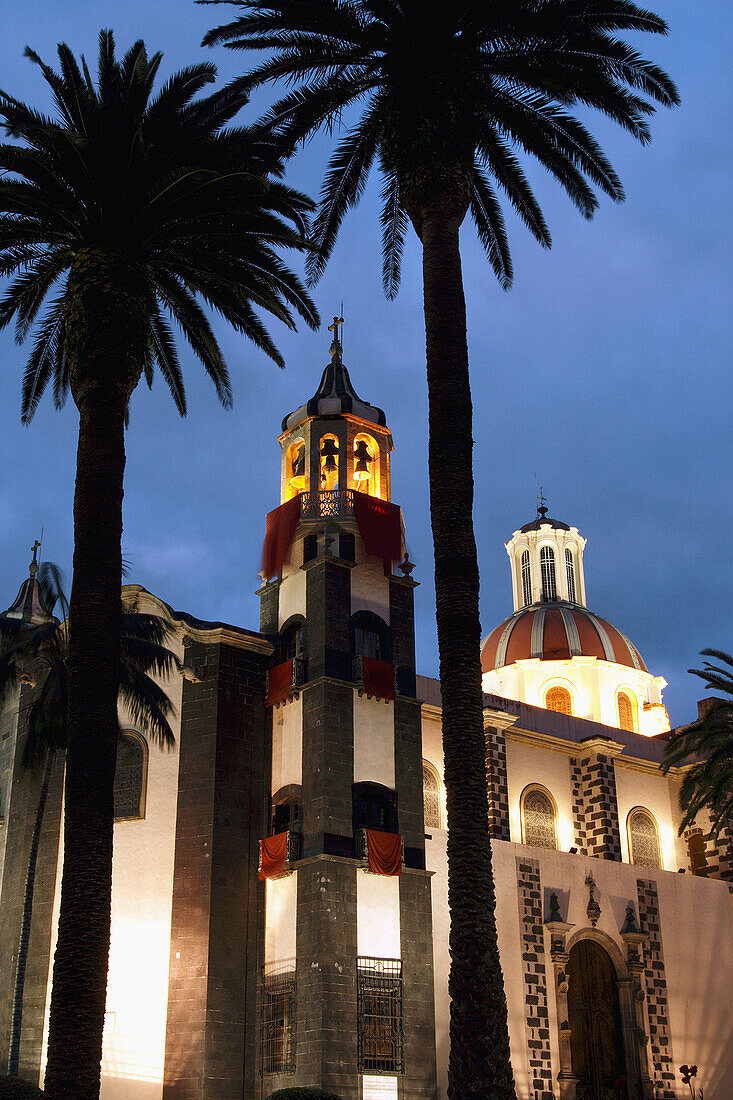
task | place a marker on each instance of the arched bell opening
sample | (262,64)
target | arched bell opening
(296,469)
(328,463)
(366,470)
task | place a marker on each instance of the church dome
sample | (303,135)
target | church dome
(557,632)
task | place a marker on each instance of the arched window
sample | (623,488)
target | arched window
(366,472)
(295,469)
(431,796)
(329,462)
(626,712)
(370,636)
(374,806)
(547,569)
(292,640)
(559,699)
(526,579)
(570,570)
(539,818)
(643,838)
(131,774)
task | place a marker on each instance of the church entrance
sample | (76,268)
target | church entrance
(594,1014)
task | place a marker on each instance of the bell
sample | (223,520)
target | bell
(329,450)
(361,456)
(298,478)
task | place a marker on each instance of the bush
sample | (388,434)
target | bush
(11,1088)
(308,1092)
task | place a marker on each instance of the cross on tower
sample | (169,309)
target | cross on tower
(334,328)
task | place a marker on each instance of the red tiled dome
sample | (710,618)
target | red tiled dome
(556,632)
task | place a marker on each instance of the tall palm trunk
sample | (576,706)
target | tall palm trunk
(16,1025)
(107,339)
(479,1041)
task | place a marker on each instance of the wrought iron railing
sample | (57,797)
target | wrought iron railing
(329,502)
(379,1006)
(277,1001)
(295,844)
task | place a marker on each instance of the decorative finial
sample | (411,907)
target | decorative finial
(555,914)
(630,923)
(594,909)
(335,348)
(33,567)
(406,566)
(541,506)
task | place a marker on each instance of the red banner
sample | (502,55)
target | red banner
(279,682)
(384,851)
(378,677)
(380,526)
(273,855)
(281,524)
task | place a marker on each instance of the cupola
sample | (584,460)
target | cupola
(554,652)
(335,441)
(28,604)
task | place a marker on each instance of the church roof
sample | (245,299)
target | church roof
(557,631)
(335,396)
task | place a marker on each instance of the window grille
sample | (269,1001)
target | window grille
(526,579)
(696,848)
(559,699)
(277,1018)
(570,570)
(379,1008)
(643,839)
(547,569)
(625,713)
(130,777)
(431,799)
(538,819)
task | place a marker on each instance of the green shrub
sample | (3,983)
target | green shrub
(11,1088)
(308,1092)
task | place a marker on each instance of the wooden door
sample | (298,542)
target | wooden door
(596,1039)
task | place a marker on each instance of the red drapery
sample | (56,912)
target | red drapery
(279,682)
(379,525)
(378,677)
(273,855)
(281,524)
(384,851)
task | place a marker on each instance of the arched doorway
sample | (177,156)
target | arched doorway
(594,1015)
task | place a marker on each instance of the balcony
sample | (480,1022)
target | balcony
(284,680)
(278,854)
(329,503)
(375,679)
(387,855)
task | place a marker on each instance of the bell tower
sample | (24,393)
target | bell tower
(346,985)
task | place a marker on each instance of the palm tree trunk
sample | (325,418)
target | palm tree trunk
(82,951)
(25,926)
(479,1040)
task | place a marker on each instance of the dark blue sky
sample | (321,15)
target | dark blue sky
(605,372)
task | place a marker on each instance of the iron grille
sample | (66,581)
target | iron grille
(379,1008)
(330,502)
(277,1018)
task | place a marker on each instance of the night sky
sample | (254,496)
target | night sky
(604,373)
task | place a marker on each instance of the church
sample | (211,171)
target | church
(280,882)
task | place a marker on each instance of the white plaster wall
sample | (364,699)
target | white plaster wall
(287,744)
(644,788)
(432,741)
(291,597)
(531,764)
(373,741)
(378,915)
(696,917)
(369,586)
(281,907)
(8,734)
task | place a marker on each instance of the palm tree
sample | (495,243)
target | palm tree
(442,95)
(44,647)
(122,212)
(708,746)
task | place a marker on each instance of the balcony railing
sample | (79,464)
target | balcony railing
(329,502)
